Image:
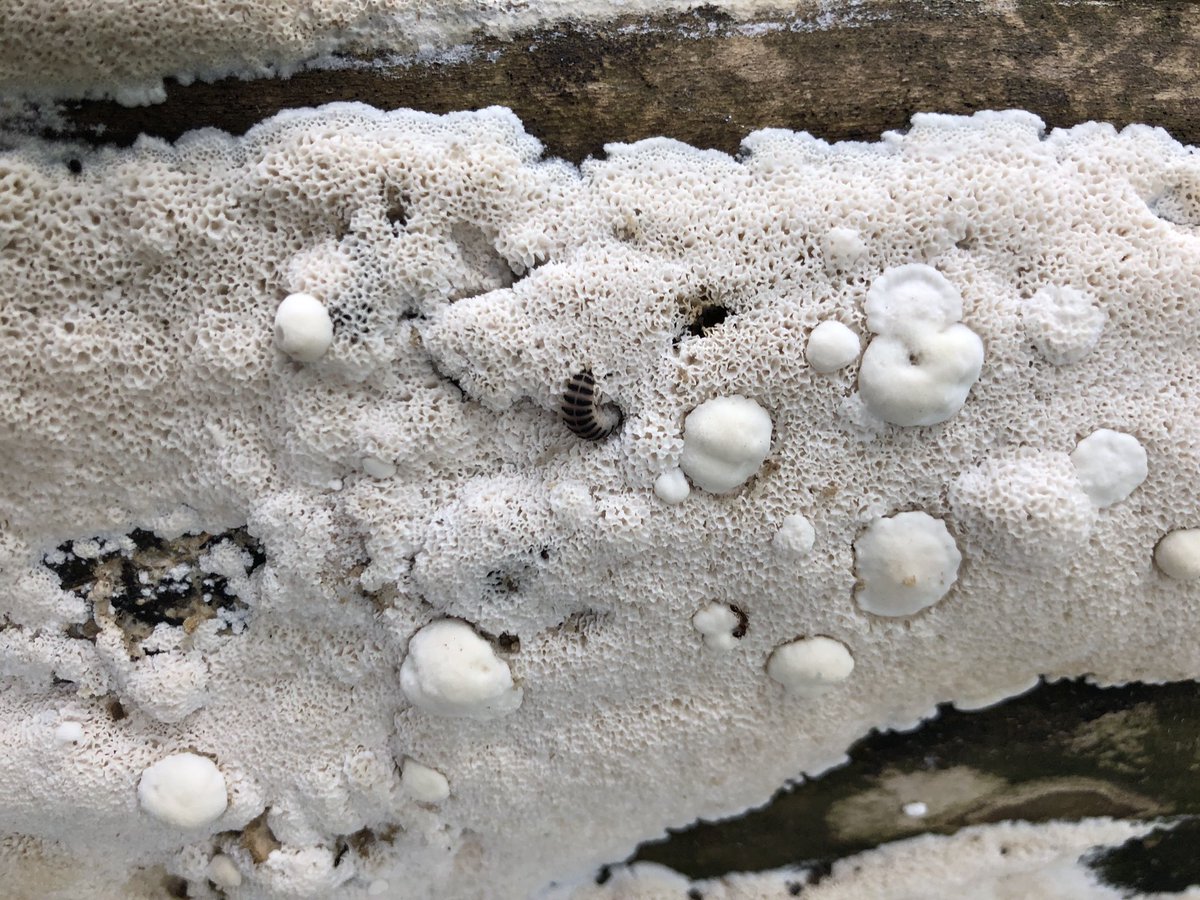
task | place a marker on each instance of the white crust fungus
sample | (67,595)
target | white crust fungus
(460,323)
(904,563)
(422,783)
(717,624)
(1177,555)
(831,346)
(795,536)
(1110,465)
(451,671)
(1064,323)
(184,790)
(810,666)
(725,440)
(922,363)
(303,329)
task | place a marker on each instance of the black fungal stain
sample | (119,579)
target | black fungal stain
(74,166)
(1164,861)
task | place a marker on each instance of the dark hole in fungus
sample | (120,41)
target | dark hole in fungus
(694,894)
(116,711)
(794,889)
(509,643)
(603,875)
(175,886)
(74,166)
(743,624)
(706,319)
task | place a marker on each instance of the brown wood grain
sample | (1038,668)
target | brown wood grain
(703,79)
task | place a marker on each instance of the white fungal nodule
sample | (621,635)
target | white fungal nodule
(831,346)
(672,487)
(1177,555)
(1110,465)
(795,536)
(904,563)
(185,790)
(303,329)
(451,671)
(1063,323)
(810,666)
(423,783)
(922,362)
(718,625)
(725,440)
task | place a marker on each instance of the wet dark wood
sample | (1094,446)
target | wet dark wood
(703,79)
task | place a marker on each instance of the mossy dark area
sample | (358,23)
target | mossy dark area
(708,80)
(1067,750)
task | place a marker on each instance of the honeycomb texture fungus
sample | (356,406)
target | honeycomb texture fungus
(144,404)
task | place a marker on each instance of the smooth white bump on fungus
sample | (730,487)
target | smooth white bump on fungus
(831,346)
(672,486)
(303,329)
(810,666)
(904,563)
(423,783)
(1063,323)
(716,622)
(378,888)
(842,248)
(223,872)
(795,536)
(451,671)
(725,440)
(378,468)
(68,733)
(1178,554)
(915,810)
(1110,465)
(185,790)
(922,363)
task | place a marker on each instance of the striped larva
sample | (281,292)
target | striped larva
(582,414)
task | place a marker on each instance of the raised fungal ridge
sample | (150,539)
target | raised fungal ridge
(441,622)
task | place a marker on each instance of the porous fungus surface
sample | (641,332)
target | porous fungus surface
(209,547)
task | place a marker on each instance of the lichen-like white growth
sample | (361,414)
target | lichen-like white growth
(795,536)
(451,671)
(1177,555)
(718,624)
(810,666)
(423,783)
(303,329)
(831,346)
(453,350)
(672,486)
(184,790)
(904,563)
(921,364)
(1063,323)
(1110,465)
(725,440)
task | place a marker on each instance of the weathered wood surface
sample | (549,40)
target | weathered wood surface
(706,80)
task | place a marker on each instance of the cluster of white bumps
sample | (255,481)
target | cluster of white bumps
(942,443)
